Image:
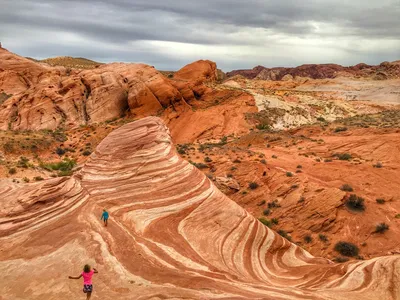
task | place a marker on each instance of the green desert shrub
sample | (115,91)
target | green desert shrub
(266,222)
(60,151)
(346,187)
(381,228)
(86,153)
(267,212)
(340,129)
(253,185)
(207,159)
(323,237)
(308,239)
(284,234)
(346,249)
(355,203)
(343,156)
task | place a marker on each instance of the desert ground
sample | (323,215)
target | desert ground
(255,184)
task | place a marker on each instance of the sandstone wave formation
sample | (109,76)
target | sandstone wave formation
(172,235)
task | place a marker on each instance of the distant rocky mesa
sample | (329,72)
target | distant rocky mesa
(39,96)
(386,70)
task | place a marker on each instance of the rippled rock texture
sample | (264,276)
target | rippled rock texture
(172,235)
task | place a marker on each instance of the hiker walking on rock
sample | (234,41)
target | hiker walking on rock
(104,217)
(87,275)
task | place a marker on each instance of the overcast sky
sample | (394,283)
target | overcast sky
(235,33)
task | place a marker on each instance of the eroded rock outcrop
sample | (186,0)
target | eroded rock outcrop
(38,96)
(322,71)
(172,234)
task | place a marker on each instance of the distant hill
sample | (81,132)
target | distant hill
(385,70)
(69,62)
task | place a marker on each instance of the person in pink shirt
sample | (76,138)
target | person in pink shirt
(87,275)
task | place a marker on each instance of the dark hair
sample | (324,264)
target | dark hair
(86,269)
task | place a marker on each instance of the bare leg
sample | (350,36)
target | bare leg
(88,295)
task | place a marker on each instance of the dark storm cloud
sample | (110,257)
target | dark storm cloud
(170,33)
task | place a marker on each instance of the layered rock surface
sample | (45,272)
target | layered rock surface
(172,234)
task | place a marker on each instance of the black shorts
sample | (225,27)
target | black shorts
(87,288)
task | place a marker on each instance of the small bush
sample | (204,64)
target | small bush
(381,228)
(12,171)
(63,166)
(378,165)
(343,156)
(302,199)
(289,174)
(346,187)
(60,151)
(23,162)
(355,203)
(237,161)
(380,201)
(266,222)
(320,119)
(263,161)
(274,221)
(273,204)
(346,249)
(253,185)
(38,178)
(323,237)
(299,167)
(200,165)
(308,239)
(86,152)
(284,234)
(181,151)
(274,156)
(263,127)
(397,216)
(299,171)
(340,129)
(267,212)
(26,179)
(207,159)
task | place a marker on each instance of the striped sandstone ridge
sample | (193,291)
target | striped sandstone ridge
(172,235)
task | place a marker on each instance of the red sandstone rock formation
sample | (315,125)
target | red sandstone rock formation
(385,70)
(172,234)
(37,96)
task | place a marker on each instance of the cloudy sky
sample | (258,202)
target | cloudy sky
(235,33)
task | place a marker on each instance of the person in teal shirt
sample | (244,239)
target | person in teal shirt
(104,217)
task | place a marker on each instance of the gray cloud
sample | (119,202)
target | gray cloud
(235,33)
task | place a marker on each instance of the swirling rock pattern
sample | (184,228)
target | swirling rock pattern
(172,235)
